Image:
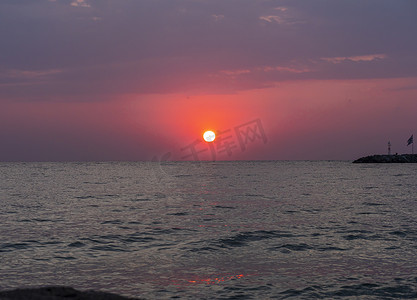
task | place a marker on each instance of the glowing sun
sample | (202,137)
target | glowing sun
(209,136)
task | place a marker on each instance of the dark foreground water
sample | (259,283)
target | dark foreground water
(223,230)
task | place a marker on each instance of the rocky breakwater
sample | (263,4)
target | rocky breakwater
(403,158)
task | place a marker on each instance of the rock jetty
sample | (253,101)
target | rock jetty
(403,158)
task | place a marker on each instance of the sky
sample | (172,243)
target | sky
(115,80)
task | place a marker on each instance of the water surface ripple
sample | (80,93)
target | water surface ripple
(212,230)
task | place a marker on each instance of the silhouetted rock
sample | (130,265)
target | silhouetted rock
(403,158)
(57,293)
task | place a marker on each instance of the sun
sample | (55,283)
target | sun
(209,136)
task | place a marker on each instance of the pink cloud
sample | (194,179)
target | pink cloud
(235,72)
(271,19)
(80,3)
(30,74)
(281,8)
(285,69)
(370,57)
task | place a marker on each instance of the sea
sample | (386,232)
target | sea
(211,230)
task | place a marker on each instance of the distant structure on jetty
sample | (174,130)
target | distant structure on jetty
(403,158)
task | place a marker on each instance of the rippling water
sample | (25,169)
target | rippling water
(221,230)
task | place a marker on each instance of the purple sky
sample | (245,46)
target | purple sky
(130,80)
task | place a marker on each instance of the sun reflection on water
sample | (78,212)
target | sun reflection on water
(216,279)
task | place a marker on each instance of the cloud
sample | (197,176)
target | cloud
(340,59)
(266,69)
(235,72)
(29,74)
(217,18)
(80,3)
(282,15)
(282,20)
(271,19)
(149,46)
(286,69)
(281,8)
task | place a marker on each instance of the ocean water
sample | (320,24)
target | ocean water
(211,230)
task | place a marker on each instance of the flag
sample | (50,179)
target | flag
(410,140)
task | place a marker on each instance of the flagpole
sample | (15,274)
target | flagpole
(411,141)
